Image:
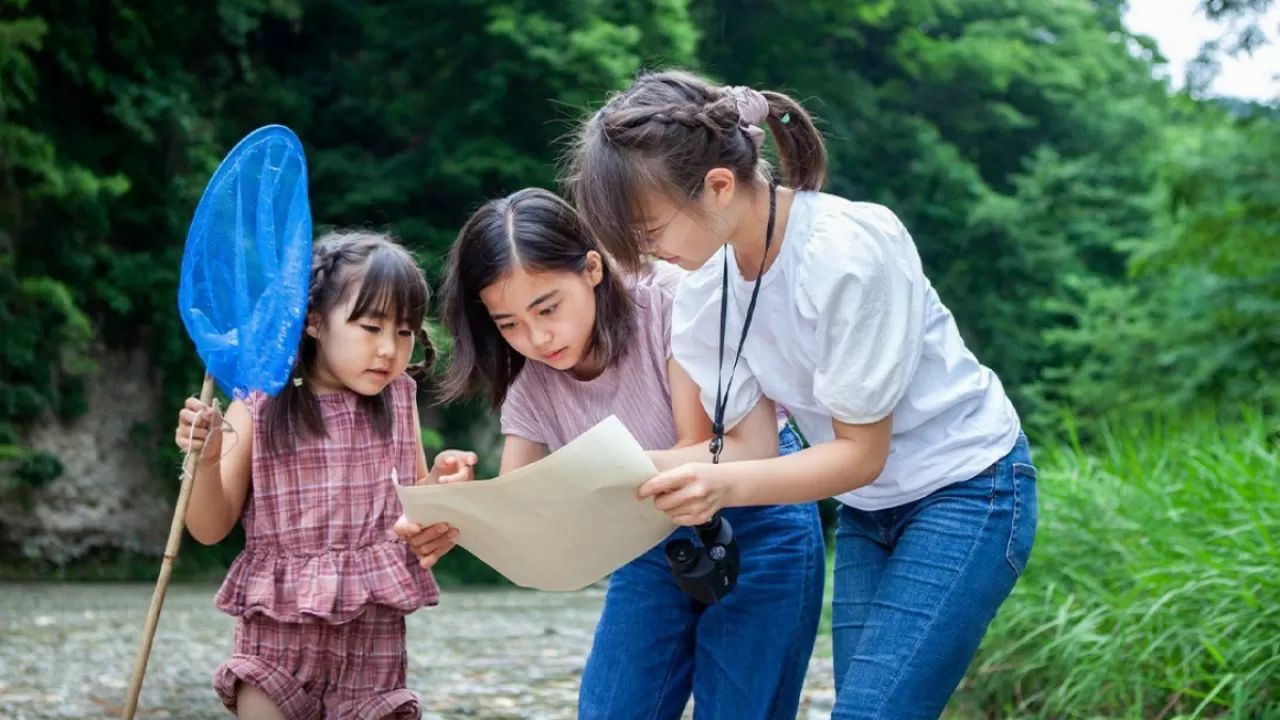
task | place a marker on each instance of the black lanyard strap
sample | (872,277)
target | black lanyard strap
(722,399)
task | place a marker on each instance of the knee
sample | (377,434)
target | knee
(252,702)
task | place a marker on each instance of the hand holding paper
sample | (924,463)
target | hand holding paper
(429,543)
(690,494)
(558,524)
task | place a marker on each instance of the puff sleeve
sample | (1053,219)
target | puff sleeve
(862,283)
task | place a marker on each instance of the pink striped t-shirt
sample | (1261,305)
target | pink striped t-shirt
(550,407)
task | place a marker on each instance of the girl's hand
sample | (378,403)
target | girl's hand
(429,543)
(200,428)
(451,466)
(690,493)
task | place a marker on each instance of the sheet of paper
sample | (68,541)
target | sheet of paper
(560,523)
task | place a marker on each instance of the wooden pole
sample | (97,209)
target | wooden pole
(166,566)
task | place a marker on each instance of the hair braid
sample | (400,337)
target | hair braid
(323,262)
(421,370)
(639,127)
(665,133)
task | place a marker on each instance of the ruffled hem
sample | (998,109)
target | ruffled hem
(396,704)
(334,587)
(289,696)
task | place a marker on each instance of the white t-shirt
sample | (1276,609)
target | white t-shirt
(848,327)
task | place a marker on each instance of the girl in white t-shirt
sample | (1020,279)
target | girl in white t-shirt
(908,430)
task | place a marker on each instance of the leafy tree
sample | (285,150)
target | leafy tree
(104,117)
(1200,322)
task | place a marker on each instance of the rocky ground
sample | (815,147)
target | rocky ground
(66,652)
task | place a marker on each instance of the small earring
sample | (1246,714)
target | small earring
(297,382)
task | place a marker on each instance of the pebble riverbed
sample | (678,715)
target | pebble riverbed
(66,651)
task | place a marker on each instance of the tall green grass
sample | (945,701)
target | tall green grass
(1154,587)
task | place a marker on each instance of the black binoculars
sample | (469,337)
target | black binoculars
(710,572)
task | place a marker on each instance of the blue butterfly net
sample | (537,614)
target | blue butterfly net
(246,267)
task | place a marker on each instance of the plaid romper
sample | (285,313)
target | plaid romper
(323,584)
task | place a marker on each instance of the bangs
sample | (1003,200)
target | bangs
(392,288)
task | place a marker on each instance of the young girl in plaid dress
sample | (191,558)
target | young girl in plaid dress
(323,584)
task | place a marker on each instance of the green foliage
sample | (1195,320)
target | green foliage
(413,126)
(103,147)
(31,468)
(40,319)
(38,468)
(1150,592)
(1199,322)
(23,470)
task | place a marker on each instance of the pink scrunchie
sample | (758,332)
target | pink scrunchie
(753,108)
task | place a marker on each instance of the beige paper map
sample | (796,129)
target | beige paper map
(560,523)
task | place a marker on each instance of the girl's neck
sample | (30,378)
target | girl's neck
(588,368)
(748,239)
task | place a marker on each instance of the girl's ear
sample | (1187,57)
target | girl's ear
(720,185)
(595,268)
(313,325)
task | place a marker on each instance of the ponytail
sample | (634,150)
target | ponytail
(801,151)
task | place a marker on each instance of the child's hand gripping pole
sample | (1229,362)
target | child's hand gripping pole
(189,465)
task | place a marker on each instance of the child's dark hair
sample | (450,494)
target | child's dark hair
(538,231)
(391,285)
(665,133)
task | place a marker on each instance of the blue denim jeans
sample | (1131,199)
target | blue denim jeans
(744,657)
(916,586)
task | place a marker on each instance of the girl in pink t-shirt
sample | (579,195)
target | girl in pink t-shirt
(559,340)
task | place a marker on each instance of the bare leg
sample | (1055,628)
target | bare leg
(253,704)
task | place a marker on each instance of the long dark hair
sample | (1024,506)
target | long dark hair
(391,283)
(536,230)
(665,133)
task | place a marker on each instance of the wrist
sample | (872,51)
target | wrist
(731,492)
(660,459)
